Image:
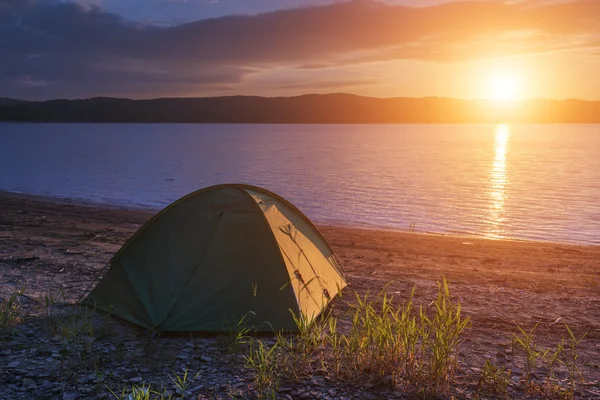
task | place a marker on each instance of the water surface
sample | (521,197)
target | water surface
(539,182)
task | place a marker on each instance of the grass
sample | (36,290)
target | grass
(524,340)
(409,347)
(262,361)
(10,312)
(564,356)
(414,348)
(235,333)
(411,227)
(379,342)
(50,309)
(494,380)
(140,392)
(182,381)
(570,356)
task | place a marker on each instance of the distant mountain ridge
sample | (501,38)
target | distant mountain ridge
(311,108)
(6,101)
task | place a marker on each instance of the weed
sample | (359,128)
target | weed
(371,348)
(409,336)
(76,326)
(310,336)
(262,361)
(182,381)
(50,312)
(411,227)
(10,311)
(385,344)
(525,341)
(142,392)
(570,355)
(494,379)
(445,327)
(334,340)
(236,334)
(566,353)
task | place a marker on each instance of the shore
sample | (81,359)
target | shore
(55,246)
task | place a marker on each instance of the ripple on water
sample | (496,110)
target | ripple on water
(536,182)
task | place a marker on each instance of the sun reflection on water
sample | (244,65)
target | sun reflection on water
(498,180)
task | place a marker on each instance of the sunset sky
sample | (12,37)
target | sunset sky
(505,49)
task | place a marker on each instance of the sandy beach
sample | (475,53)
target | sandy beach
(51,245)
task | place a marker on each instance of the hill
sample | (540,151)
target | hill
(313,108)
(7,101)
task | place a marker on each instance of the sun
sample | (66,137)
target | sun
(504,87)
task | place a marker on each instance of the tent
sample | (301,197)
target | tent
(218,256)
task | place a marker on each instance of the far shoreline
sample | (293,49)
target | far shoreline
(331,108)
(485,123)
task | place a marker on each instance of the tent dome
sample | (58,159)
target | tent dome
(217,256)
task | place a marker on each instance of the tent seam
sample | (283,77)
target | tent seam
(194,272)
(272,235)
(146,226)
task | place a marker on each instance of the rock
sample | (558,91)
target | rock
(71,251)
(70,395)
(10,378)
(13,364)
(85,389)
(18,371)
(46,385)
(29,384)
(206,358)
(137,379)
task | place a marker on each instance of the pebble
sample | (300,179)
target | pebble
(35,363)
(72,395)
(29,384)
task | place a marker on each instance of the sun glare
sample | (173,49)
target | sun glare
(504,87)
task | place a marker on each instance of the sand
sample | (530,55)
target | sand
(51,244)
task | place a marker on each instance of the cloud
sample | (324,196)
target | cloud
(28,81)
(83,50)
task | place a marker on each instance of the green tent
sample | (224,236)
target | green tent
(219,255)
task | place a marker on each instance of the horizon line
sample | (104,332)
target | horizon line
(492,100)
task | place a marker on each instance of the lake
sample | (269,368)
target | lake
(536,182)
